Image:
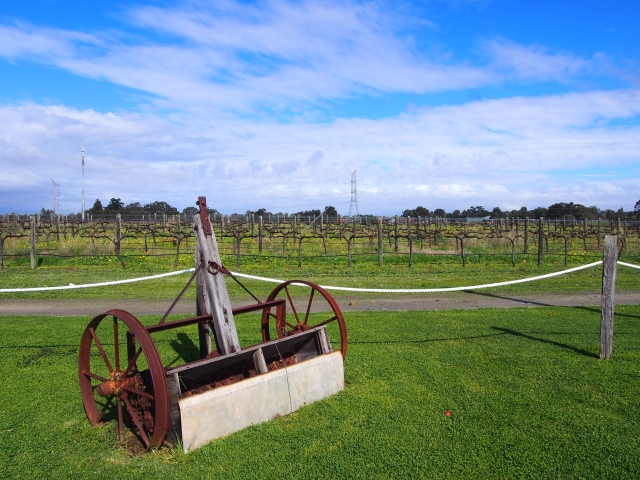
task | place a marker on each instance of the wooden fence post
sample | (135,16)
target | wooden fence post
(395,246)
(526,235)
(32,250)
(379,241)
(58,227)
(260,236)
(609,269)
(118,233)
(540,239)
(410,241)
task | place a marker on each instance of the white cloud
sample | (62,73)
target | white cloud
(482,152)
(315,158)
(534,62)
(24,40)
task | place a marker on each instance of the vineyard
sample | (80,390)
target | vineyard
(300,239)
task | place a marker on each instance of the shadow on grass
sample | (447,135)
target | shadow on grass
(426,340)
(548,342)
(185,348)
(517,300)
(617,314)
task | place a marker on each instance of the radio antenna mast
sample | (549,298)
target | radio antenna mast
(82,184)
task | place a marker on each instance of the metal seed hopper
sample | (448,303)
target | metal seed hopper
(123,379)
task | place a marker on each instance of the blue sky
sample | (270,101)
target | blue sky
(444,104)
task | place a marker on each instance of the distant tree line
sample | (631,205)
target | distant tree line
(328,210)
(116,205)
(557,211)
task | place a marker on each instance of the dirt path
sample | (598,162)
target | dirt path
(463,300)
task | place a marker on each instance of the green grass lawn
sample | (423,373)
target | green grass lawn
(527,395)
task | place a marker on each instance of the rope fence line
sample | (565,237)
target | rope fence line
(326,287)
(628,264)
(89,285)
(459,289)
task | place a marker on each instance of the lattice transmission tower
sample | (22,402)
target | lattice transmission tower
(354,196)
(56,197)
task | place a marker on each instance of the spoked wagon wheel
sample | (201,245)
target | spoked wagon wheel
(120,369)
(299,312)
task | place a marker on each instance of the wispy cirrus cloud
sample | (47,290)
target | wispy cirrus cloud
(242,58)
(22,40)
(538,63)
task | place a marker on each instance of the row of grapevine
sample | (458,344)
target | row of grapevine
(306,236)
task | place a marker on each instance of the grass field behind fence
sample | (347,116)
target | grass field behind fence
(427,272)
(527,395)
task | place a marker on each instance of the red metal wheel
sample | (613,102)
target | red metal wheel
(299,312)
(138,383)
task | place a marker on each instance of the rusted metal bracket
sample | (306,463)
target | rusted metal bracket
(204,216)
(182,292)
(213,268)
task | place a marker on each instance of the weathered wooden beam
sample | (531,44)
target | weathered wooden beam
(212,296)
(205,329)
(609,269)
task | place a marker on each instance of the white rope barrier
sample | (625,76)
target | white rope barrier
(458,289)
(89,285)
(629,265)
(326,287)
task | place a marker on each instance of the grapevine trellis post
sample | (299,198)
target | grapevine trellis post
(410,241)
(32,250)
(395,245)
(118,243)
(526,235)
(540,240)
(379,241)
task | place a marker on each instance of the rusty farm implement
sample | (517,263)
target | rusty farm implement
(123,379)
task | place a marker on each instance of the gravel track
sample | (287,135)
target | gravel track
(389,302)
